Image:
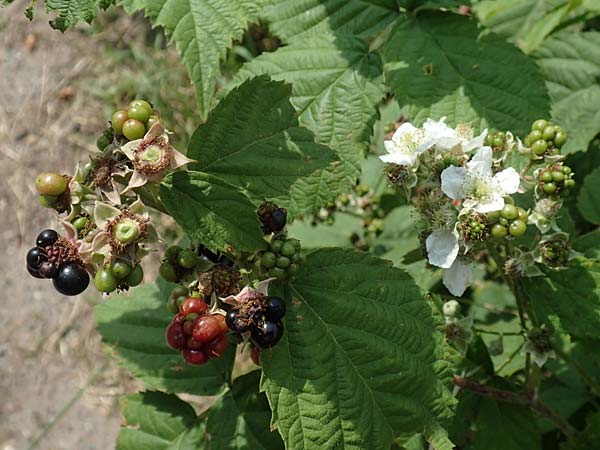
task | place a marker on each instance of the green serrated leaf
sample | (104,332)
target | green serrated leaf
(336,86)
(589,245)
(568,300)
(588,200)
(240,419)
(362,357)
(156,421)
(588,438)
(295,19)
(203,31)
(484,423)
(70,12)
(253,141)
(134,327)
(570,62)
(439,65)
(212,211)
(514,18)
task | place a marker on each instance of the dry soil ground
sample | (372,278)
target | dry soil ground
(49,348)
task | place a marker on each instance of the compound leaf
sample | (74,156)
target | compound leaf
(134,326)
(336,86)
(203,31)
(212,211)
(570,62)
(362,358)
(439,65)
(253,141)
(157,421)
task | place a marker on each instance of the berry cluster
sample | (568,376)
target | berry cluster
(555,251)
(272,217)
(261,317)
(497,140)
(135,121)
(509,220)
(53,258)
(118,275)
(556,180)
(474,227)
(283,258)
(545,138)
(197,333)
(54,190)
(179,263)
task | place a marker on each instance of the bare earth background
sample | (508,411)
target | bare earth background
(49,348)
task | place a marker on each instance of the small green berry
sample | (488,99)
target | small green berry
(493,216)
(50,183)
(276,246)
(47,201)
(283,262)
(105,281)
(187,259)
(133,129)
(172,305)
(549,188)
(268,260)
(139,113)
(523,216)
(539,147)
(80,223)
(558,176)
(566,170)
(143,104)
(173,252)
(127,231)
(120,269)
(560,139)
(153,119)
(178,291)
(288,249)
(548,133)
(546,176)
(499,231)
(118,120)
(293,269)
(168,272)
(498,142)
(509,212)
(535,135)
(569,183)
(517,228)
(502,221)
(539,124)
(135,277)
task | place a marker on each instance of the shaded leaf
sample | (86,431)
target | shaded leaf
(134,326)
(588,200)
(212,211)
(362,358)
(253,141)
(439,65)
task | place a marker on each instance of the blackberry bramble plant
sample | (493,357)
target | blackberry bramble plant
(389,217)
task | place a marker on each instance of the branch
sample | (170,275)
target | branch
(516,398)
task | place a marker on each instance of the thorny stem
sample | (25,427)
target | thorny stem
(525,399)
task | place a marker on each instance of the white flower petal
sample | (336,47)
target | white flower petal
(399,158)
(442,248)
(476,142)
(439,134)
(493,202)
(137,179)
(404,129)
(508,180)
(458,278)
(179,159)
(453,179)
(481,162)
